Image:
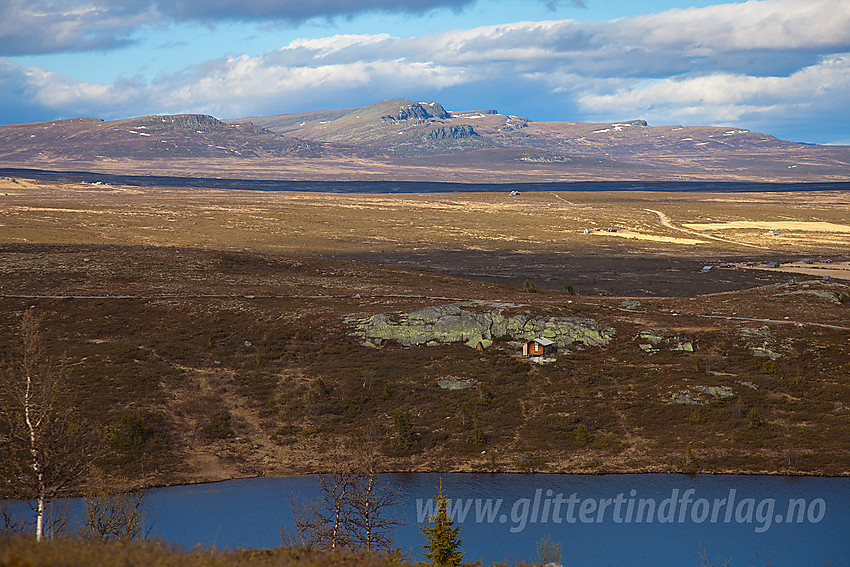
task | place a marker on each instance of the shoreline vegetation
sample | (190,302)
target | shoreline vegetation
(352,522)
(745,473)
(22,551)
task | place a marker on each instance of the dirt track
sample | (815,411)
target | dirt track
(665,220)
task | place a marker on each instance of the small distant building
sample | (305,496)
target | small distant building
(588,230)
(725,266)
(612,229)
(514,193)
(773,264)
(708,268)
(540,346)
(807,261)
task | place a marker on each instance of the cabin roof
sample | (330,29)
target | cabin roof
(542,341)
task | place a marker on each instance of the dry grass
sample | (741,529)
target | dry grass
(349,224)
(25,552)
(779,224)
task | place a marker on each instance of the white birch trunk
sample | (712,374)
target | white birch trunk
(32,426)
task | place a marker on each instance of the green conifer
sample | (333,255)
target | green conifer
(442,547)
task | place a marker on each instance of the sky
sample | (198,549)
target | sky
(776,66)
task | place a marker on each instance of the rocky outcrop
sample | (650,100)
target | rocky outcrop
(466,323)
(452,132)
(651,340)
(837,296)
(765,352)
(184,120)
(418,111)
(760,341)
(451,383)
(702,395)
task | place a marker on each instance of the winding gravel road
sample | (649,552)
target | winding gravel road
(665,220)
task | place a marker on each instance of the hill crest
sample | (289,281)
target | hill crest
(400,139)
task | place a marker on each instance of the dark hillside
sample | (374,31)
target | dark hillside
(149,137)
(241,364)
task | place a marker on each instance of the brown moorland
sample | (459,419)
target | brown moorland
(218,326)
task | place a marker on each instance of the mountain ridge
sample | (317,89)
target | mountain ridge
(415,140)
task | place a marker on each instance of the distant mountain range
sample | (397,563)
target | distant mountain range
(406,140)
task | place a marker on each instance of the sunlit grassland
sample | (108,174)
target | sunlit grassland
(322,223)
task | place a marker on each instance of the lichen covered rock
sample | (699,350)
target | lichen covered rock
(461,322)
(702,395)
(761,342)
(451,383)
(651,339)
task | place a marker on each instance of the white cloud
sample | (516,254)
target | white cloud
(55,91)
(237,86)
(49,26)
(757,24)
(328,45)
(813,93)
(753,63)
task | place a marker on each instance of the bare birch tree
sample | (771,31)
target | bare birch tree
(324,524)
(334,509)
(351,514)
(371,500)
(111,512)
(308,531)
(45,451)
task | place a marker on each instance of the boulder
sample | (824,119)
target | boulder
(650,339)
(756,332)
(702,395)
(716,391)
(652,336)
(451,383)
(765,352)
(687,399)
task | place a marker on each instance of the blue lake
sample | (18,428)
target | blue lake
(609,520)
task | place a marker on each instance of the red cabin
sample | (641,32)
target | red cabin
(539,347)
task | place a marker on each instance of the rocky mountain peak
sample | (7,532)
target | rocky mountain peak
(418,111)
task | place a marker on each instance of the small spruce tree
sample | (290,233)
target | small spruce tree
(583,437)
(442,547)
